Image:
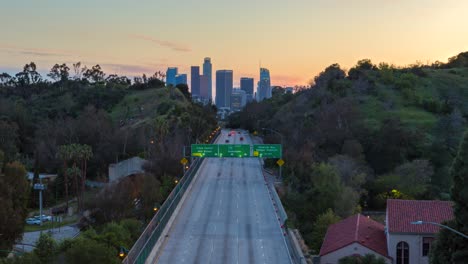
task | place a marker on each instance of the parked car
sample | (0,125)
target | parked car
(227,140)
(33,221)
(241,138)
(45,218)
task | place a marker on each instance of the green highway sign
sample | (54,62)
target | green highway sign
(267,151)
(204,150)
(234,150)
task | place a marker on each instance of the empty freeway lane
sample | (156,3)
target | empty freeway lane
(227,216)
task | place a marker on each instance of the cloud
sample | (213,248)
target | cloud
(34,51)
(163,43)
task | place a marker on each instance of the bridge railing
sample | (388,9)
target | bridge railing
(294,250)
(147,240)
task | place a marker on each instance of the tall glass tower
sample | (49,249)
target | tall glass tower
(171,74)
(207,70)
(264,85)
(223,88)
(247,85)
(195,81)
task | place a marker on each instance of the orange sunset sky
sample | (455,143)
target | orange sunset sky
(294,39)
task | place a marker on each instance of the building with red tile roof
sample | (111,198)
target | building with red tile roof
(399,242)
(355,235)
(410,243)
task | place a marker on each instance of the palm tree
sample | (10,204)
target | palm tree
(64,153)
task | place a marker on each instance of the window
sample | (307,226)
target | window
(402,253)
(427,241)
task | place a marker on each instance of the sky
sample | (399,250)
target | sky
(294,39)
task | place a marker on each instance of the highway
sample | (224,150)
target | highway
(227,216)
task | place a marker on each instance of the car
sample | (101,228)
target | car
(227,140)
(33,221)
(45,218)
(229,134)
(241,138)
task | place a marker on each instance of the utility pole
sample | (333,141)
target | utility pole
(39,186)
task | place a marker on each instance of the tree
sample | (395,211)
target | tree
(94,74)
(326,186)
(29,75)
(84,250)
(14,194)
(46,248)
(184,89)
(8,139)
(360,69)
(320,228)
(2,159)
(366,259)
(347,203)
(59,72)
(65,154)
(449,247)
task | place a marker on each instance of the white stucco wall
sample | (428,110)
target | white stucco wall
(352,249)
(125,168)
(415,243)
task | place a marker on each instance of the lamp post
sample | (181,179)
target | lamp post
(281,153)
(440,225)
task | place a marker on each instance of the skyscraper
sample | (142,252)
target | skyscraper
(264,85)
(207,70)
(195,80)
(171,76)
(223,88)
(247,85)
(204,91)
(238,99)
(181,79)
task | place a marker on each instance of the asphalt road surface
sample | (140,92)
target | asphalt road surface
(228,217)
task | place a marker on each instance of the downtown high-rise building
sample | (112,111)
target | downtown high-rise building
(181,79)
(247,85)
(171,74)
(224,84)
(264,85)
(238,99)
(207,71)
(195,81)
(204,88)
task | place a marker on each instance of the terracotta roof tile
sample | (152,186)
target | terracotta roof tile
(401,213)
(356,228)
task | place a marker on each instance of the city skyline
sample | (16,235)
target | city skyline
(295,40)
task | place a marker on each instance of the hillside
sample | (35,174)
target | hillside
(356,138)
(139,107)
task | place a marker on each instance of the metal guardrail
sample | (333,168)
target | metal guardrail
(147,240)
(294,251)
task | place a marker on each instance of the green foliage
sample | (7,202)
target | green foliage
(2,159)
(46,248)
(26,258)
(134,228)
(84,250)
(450,247)
(14,193)
(8,140)
(321,225)
(366,259)
(326,185)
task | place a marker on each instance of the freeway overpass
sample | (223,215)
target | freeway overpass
(226,216)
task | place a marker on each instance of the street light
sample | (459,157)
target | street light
(440,225)
(281,153)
